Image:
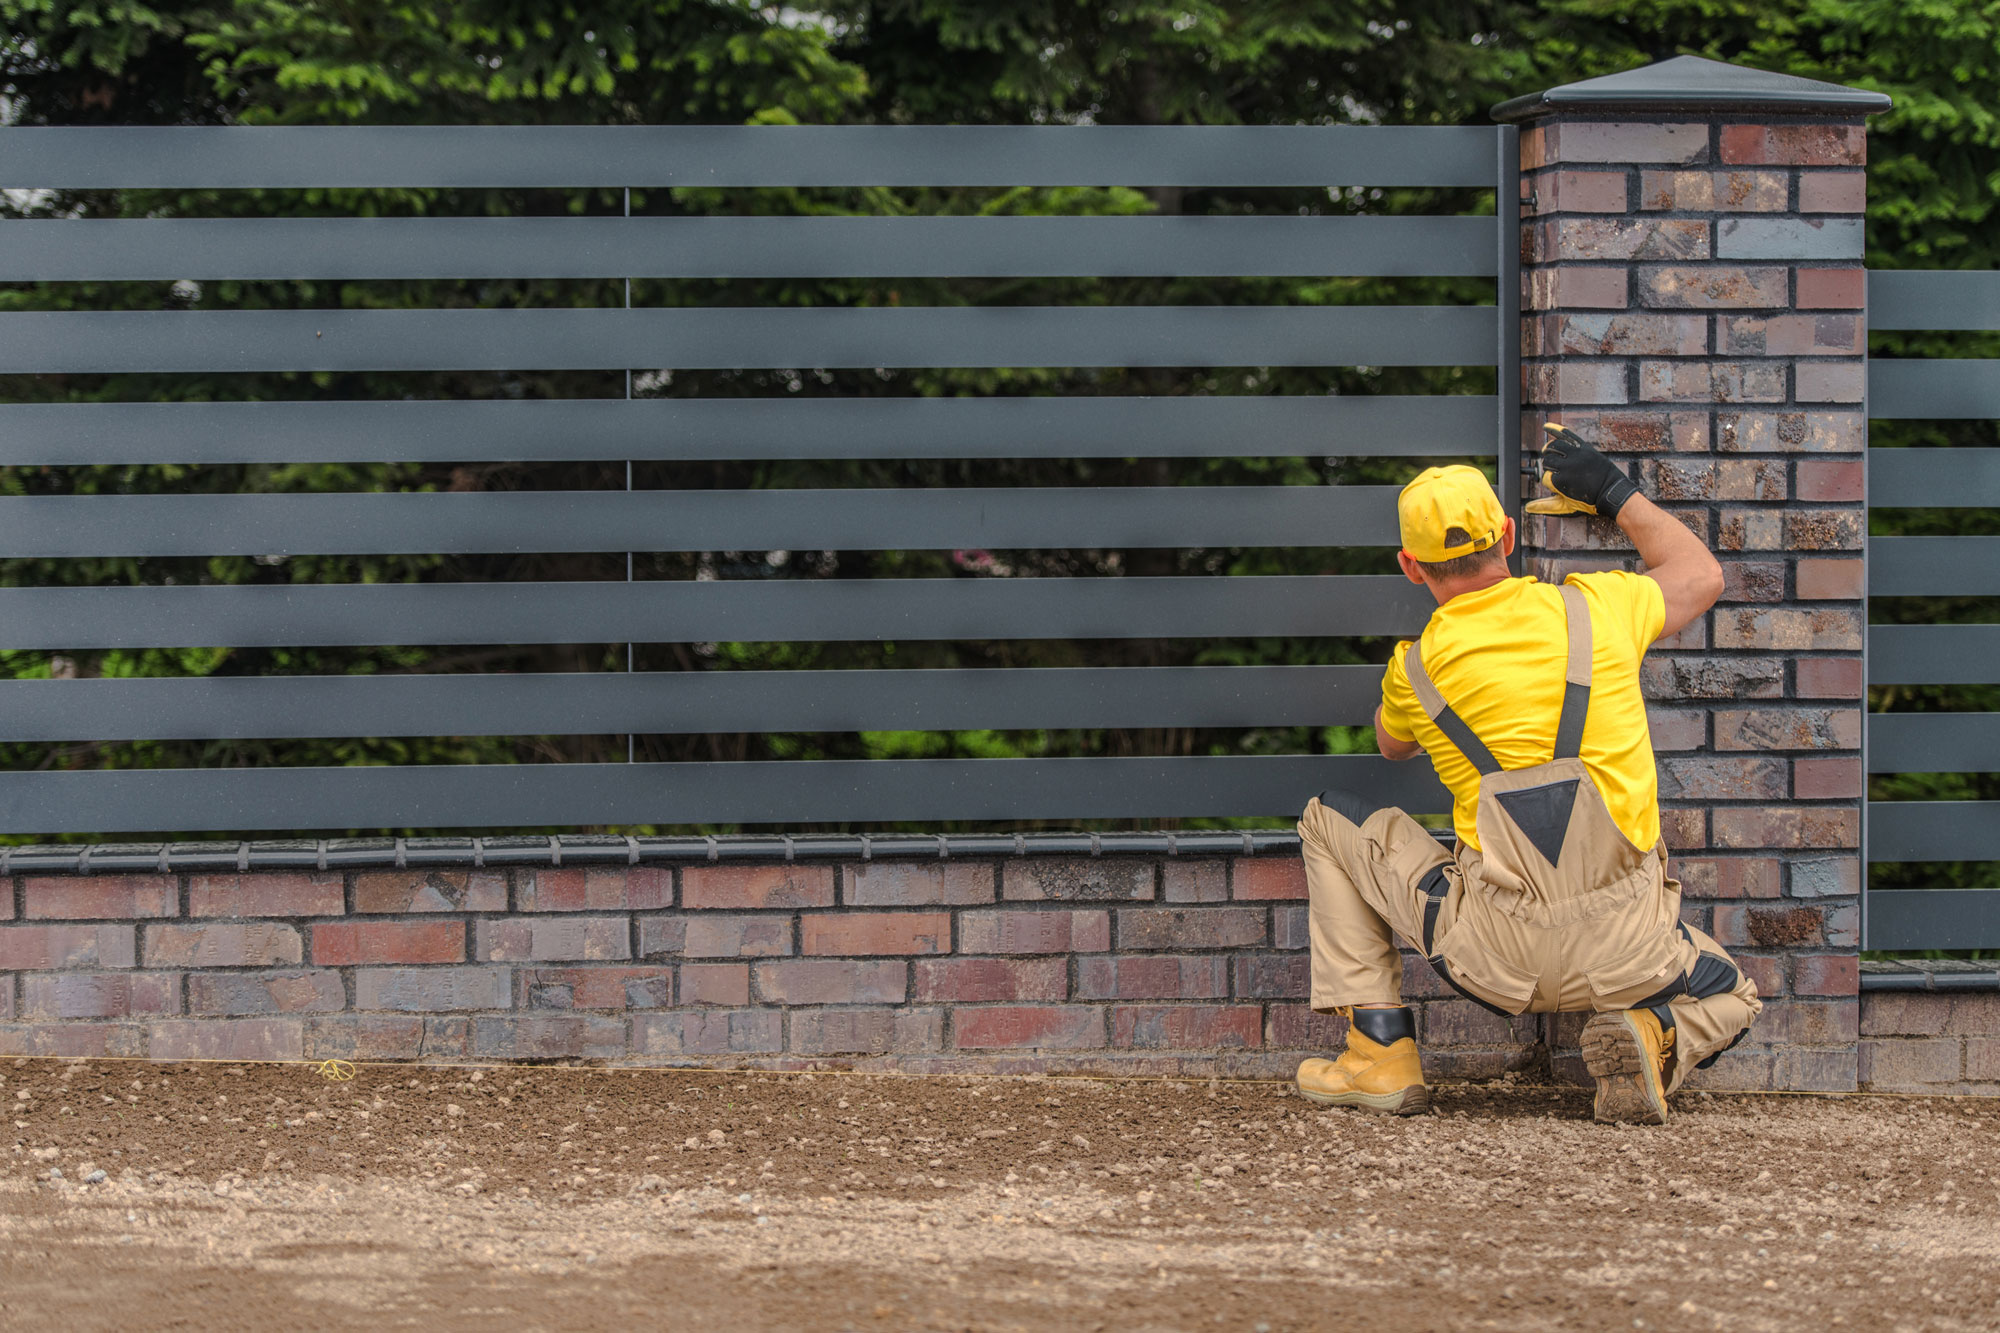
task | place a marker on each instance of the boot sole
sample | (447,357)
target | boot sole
(1628,1091)
(1409,1101)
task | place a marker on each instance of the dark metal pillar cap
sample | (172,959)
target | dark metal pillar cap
(1690,83)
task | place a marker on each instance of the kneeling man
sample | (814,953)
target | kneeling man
(1526,699)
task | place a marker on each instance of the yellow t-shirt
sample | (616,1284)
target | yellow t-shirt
(1498,655)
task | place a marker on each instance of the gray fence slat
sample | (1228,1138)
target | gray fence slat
(1933,566)
(1960,299)
(1934,743)
(482,157)
(602,703)
(779,792)
(1901,919)
(1934,655)
(743,247)
(79,434)
(776,611)
(935,518)
(1933,478)
(1932,831)
(1946,390)
(107,342)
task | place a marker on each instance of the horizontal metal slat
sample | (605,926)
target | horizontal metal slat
(1909,919)
(77,434)
(604,703)
(1933,830)
(777,611)
(482,157)
(1934,655)
(1945,299)
(782,793)
(1948,390)
(744,247)
(931,518)
(1933,566)
(1933,478)
(1934,743)
(106,342)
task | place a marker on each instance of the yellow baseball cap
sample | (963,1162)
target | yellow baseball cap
(1443,498)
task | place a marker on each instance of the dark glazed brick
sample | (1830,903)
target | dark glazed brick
(1092,879)
(1274,976)
(1160,977)
(991,980)
(1187,1027)
(1189,928)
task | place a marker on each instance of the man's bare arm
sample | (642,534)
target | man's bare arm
(1390,747)
(1676,559)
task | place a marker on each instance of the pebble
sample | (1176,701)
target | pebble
(55,1173)
(94,1178)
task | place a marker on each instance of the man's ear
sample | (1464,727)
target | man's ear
(1410,569)
(1507,537)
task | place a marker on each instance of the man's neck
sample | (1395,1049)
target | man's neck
(1480,582)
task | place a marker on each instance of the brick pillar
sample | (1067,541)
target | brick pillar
(1691,242)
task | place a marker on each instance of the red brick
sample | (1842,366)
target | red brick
(832,981)
(1830,382)
(917,884)
(1090,879)
(1787,629)
(1677,729)
(1190,927)
(993,980)
(1164,977)
(597,889)
(715,983)
(750,887)
(98,994)
(431,891)
(1295,1027)
(1290,928)
(1714,287)
(1578,382)
(1790,432)
(1826,779)
(1729,877)
(73,1040)
(1766,973)
(99,897)
(1795,145)
(1712,382)
(1187,1027)
(1792,335)
(1832,288)
(1622,142)
(1258,878)
(1715,191)
(1827,678)
(432,990)
(597,988)
(1047,1027)
(709,1032)
(266,895)
(864,933)
(339,943)
(1826,974)
(1684,830)
(730,937)
(1575,287)
(310,991)
(1034,932)
(24,948)
(866,1031)
(1194,881)
(548,1037)
(1833,192)
(1830,480)
(262,944)
(1274,976)
(539,939)
(227,1039)
(1793,826)
(1829,580)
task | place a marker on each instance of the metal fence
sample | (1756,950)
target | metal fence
(1965,654)
(682,793)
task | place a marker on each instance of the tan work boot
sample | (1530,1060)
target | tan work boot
(1626,1051)
(1379,1071)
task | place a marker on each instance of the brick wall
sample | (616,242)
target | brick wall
(1927,1041)
(1114,963)
(1691,296)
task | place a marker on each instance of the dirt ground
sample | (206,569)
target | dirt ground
(237,1197)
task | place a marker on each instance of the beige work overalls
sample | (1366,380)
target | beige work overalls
(1555,911)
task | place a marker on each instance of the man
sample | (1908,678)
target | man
(1526,699)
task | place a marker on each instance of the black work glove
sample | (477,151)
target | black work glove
(1585,481)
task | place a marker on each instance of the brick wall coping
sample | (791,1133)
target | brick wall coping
(1929,974)
(583,849)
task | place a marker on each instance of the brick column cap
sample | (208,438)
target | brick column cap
(1690,83)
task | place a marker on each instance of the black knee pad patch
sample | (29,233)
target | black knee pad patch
(1350,806)
(1711,975)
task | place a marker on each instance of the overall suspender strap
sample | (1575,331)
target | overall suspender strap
(1576,679)
(1439,711)
(1576,691)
